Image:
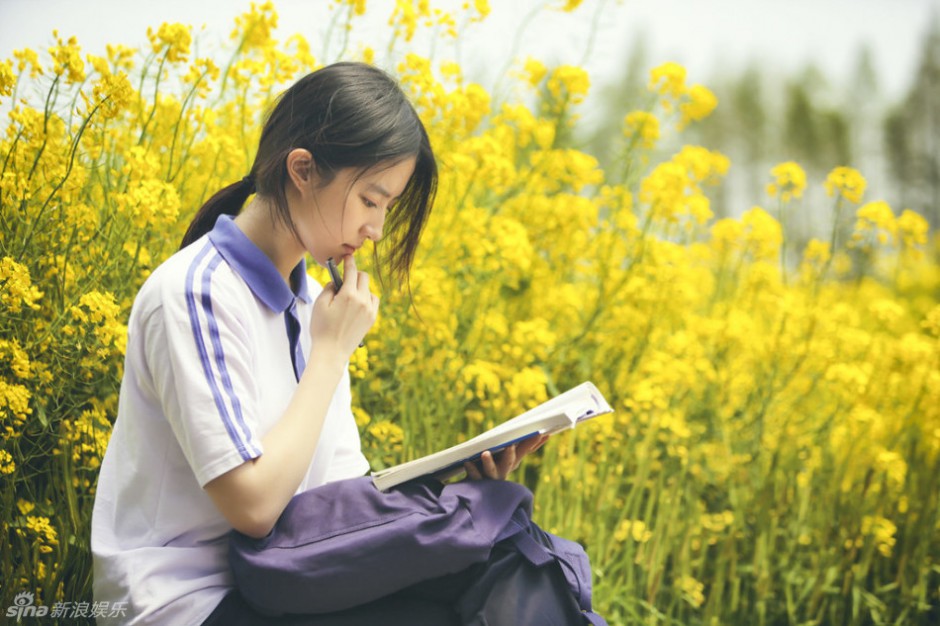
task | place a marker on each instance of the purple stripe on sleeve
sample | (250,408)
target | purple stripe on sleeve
(220,355)
(203,353)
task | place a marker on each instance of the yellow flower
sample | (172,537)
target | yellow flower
(644,126)
(112,93)
(44,532)
(703,165)
(847,182)
(175,39)
(569,82)
(632,529)
(120,56)
(362,418)
(882,530)
(67,59)
(406,15)
(789,181)
(482,8)
(7,78)
(28,57)
(874,222)
(692,590)
(913,229)
(535,71)
(817,252)
(763,233)
(571,5)
(668,79)
(388,433)
(254,28)
(11,352)
(727,235)
(358,6)
(481,379)
(16,288)
(700,104)
(7,465)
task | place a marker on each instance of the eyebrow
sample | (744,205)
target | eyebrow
(379,189)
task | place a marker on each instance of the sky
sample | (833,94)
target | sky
(703,35)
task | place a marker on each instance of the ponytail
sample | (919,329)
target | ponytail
(227,201)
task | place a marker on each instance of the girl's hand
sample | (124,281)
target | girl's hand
(342,319)
(505,461)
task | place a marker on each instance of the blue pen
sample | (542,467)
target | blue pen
(337,281)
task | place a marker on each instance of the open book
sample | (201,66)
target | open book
(560,413)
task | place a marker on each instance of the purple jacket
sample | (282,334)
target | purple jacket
(346,543)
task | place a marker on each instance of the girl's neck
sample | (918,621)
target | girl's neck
(272,237)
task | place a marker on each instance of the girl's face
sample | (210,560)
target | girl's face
(336,219)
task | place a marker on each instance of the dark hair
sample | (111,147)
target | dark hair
(348,115)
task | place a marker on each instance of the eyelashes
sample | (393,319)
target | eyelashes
(372,205)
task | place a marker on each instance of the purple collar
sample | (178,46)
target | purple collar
(256,268)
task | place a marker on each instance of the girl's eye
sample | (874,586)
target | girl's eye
(369,203)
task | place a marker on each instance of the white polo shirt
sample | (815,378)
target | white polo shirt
(208,372)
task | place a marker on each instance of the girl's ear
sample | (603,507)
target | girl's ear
(301,169)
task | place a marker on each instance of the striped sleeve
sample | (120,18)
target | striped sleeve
(208,390)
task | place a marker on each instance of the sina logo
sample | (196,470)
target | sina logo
(23,606)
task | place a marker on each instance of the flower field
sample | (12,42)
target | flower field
(774,455)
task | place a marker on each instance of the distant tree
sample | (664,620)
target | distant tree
(750,115)
(863,106)
(801,132)
(614,102)
(912,134)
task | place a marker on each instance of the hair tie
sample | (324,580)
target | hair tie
(250,182)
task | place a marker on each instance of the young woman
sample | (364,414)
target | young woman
(235,394)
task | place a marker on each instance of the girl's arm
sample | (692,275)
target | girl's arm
(253,495)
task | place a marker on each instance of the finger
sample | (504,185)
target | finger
(349,269)
(542,440)
(507,461)
(529,445)
(489,465)
(472,472)
(362,281)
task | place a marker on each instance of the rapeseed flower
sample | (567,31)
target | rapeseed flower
(912,228)
(635,530)
(789,181)
(7,78)
(847,182)
(67,59)
(7,464)
(16,288)
(45,534)
(668,79)
(882,532)
(875,223)
(253,29)
(569,82)
(700,102)
(173,40)
(534,71)
(642,126)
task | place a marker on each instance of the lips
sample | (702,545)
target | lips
(350,249)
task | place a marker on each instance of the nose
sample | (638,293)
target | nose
(373,229)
